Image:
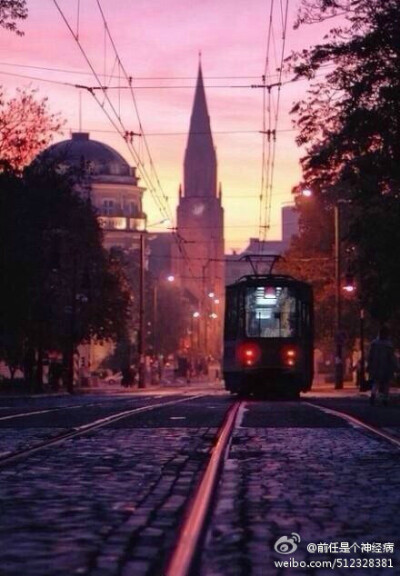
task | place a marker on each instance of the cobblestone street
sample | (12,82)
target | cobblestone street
(327,485)
(109,502)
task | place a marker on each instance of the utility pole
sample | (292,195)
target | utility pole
(142,334)
(72,329)
(362,350)
(339,342)
(155,317)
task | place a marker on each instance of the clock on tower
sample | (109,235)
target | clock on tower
(198,208)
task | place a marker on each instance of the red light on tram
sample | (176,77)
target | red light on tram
(248,353)
(289,356)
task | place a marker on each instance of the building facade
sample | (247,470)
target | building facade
(236,264)
(199,255)
(114,191)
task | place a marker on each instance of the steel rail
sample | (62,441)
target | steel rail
(193,526)
(358,423)
(23,414)
(55,409)
(85,428)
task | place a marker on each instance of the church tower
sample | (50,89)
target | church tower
(200,229)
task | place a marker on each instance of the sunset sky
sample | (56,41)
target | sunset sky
(158,42)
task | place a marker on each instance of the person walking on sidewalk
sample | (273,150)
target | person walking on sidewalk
(381,365)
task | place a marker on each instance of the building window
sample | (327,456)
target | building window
(133,210)
(108,207)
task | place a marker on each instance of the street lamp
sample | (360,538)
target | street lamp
(348,287)
(156,285)
(142,336)
(195,316)
(339,342)
(339,372)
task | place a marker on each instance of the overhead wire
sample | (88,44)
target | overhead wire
(134,78)
(133,97)
(277,110)
(165,200)
(266,136)
(119,126)
(271,112)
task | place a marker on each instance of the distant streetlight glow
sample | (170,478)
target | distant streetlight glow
(171,278)
(196,314)
(211,294)
(349,285)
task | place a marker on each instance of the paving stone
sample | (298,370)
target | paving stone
(135,568)
(339,485)
(70,507)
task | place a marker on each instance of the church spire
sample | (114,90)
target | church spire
(200,120)
(200,178)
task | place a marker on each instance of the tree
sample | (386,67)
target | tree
(26,127)
(310,258)
(58,286)
(10,12)
(349,125)
(314,11)
(169,314)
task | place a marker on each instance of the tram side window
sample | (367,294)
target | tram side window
(270,312)
(305,318)
(231,315)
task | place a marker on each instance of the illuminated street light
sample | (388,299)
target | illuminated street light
(349,285)
(171,278)
(211,294)
(307,193)
(216,301)
(196,314)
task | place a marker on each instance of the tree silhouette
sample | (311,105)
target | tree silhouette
(58,286)
(349,126)
(10,12)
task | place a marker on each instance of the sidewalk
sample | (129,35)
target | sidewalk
(349,390)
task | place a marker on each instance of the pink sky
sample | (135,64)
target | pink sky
(162,38)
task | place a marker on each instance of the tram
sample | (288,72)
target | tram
(268,336)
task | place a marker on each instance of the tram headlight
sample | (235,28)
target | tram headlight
(289,356)
(248,353)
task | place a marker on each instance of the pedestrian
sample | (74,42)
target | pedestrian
(154,371)
(356,365)
(381,365)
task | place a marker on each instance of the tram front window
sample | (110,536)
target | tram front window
(270,312)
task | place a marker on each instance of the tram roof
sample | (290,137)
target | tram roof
(269,279)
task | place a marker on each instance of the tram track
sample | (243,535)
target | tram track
(358,423)
(37,412)
(245,421)
(77,431)
(202,503)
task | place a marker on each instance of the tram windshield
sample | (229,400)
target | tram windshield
(270,312)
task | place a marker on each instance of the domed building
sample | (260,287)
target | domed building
(114,191)
(113,187)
